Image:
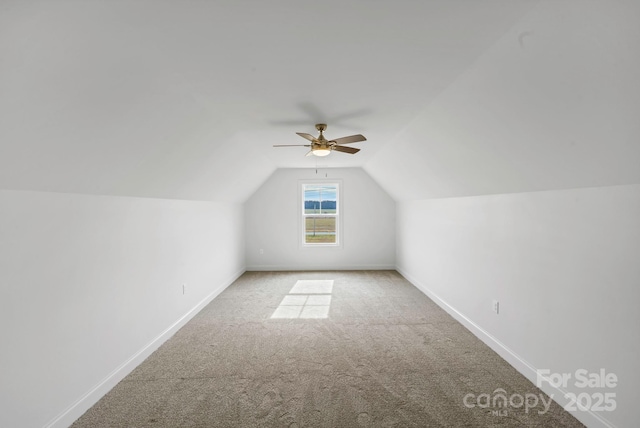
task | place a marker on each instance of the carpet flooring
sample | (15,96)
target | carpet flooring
(324,349)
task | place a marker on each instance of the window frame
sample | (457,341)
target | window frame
(302,216)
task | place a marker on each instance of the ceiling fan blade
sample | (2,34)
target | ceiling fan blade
(349,139)
(292,145)
(346,149)
(307,136)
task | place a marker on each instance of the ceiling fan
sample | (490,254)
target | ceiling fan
(322,147)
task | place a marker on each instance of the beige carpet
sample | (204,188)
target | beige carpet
(384,356)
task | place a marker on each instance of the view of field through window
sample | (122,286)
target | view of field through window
(320,213)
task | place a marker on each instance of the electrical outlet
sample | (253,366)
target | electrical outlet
(496,307)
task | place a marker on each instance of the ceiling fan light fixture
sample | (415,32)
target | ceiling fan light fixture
(321,152)
(322,147)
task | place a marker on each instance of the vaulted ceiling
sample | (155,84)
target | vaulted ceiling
(184,99)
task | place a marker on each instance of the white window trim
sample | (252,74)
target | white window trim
(339,214)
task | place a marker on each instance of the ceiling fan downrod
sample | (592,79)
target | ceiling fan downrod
(321,127)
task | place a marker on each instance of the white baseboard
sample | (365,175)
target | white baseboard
(84,403)
(587,417)
(270,268)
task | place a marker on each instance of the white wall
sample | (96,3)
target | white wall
(92,284)
(272,224)
(563,265)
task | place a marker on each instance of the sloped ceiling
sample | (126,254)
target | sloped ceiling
(554,104)
(184,99)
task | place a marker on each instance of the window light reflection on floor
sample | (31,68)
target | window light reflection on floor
(307,299)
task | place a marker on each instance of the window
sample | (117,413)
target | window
(320,214)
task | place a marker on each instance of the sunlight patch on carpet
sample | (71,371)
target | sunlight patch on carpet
(307,299)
